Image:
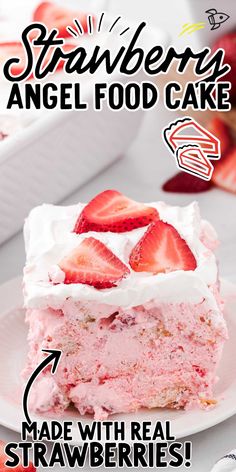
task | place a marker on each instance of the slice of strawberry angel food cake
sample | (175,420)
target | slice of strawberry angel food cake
(129,293)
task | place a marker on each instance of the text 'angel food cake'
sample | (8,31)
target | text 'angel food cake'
(129,293)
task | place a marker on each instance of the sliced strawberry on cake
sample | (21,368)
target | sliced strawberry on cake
(92,263)
(113,211)
(4,458)
(224,175)
(162,249)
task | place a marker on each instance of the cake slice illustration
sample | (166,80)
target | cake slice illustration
(193,146)
(188,131)
(192,159)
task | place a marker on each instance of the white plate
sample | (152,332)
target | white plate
(13,348)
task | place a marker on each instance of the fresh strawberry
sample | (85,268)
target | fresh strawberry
(92,263)
(54,16)
(43,11)
(219,129)
(161,249)
(112,211)
(224,175)
(19,468)
(228,44)
(186,183)
(15,49)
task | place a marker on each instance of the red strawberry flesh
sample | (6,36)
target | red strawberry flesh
(92,263)
(219,129)
(112,211)
(162,250)
(186,183)
(224,175)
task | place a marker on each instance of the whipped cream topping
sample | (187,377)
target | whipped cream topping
(49,237)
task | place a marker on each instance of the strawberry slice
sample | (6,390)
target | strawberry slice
(227,42)
(112,211)
(15,49)
(224,175)
(54,16)
(186,183)
(92,263)
(19,468)
(219,129)
(161,249)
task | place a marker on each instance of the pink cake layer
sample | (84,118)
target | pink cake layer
(119,360)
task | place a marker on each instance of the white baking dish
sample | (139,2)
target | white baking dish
(60,151)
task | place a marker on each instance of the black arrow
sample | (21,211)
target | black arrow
(54,357)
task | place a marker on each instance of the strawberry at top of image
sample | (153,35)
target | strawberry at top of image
(161,250)
(112,211)
(4,458)
(227,42)
(55,16)
(52,16)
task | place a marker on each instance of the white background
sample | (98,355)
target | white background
(140,173)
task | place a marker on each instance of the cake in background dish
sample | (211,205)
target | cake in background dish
(129,292)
